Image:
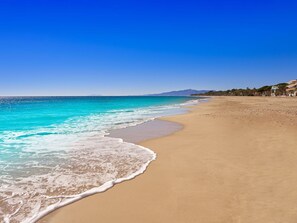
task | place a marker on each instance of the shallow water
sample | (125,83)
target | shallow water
(54,150)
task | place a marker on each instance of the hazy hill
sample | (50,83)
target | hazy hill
(186,92)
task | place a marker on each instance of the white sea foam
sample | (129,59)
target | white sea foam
(55,166)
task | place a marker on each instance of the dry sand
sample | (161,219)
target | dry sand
(235,160)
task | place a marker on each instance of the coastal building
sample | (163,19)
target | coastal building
(292,88)
(273,90)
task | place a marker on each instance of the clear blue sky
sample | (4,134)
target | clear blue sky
(50,47)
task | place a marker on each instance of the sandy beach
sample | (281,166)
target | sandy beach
(234,160)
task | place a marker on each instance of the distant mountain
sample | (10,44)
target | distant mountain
(187,92)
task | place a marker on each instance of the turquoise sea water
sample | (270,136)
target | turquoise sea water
(56,149)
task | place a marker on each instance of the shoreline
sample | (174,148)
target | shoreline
(148,131)
(126,135)
(226,165)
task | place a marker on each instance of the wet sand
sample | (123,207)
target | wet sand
(148,130)
(235,160)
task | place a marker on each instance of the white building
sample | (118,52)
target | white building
(292,88)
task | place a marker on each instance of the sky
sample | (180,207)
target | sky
(50,47)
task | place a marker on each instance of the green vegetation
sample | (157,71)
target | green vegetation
(262,91)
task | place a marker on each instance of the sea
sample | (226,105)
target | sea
(56,150)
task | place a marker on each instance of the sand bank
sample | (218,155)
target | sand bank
(235,160)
